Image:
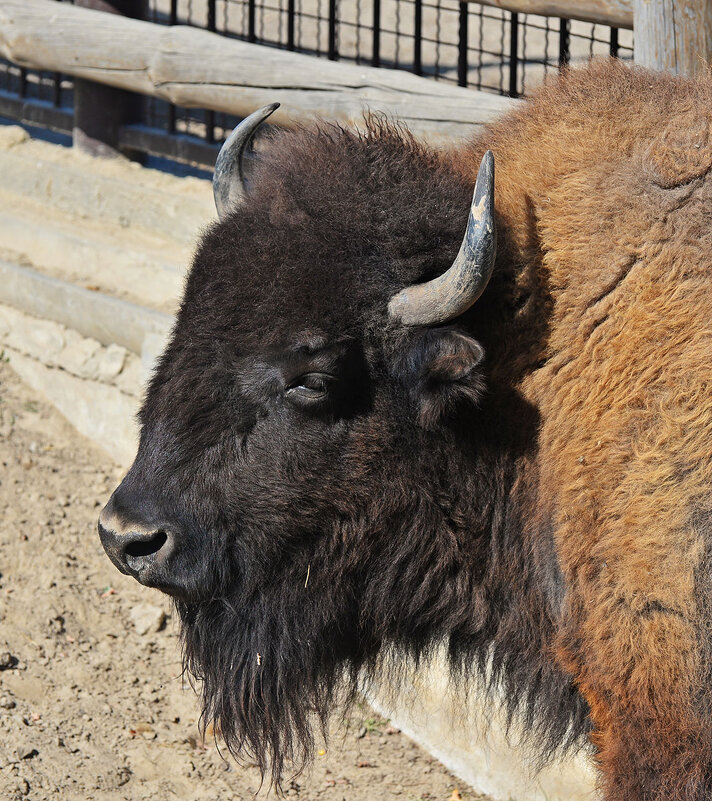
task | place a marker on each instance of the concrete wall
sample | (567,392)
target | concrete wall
(95,387)
(92,259)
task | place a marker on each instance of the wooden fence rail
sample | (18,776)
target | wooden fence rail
(196,68)
(617,13)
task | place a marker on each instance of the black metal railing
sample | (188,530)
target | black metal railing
(461,42)
(446,40)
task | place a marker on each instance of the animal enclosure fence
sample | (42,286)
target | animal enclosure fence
(465,44)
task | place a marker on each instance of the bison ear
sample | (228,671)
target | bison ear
(443,373)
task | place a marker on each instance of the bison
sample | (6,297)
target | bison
(369,436)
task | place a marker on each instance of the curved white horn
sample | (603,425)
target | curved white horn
(453,292)
(228,179)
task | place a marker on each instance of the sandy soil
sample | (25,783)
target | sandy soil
(90,708)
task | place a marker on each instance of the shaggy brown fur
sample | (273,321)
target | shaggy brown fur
(545,509)
(604,196)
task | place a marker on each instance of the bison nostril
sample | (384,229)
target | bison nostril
(147,547)
(138,546)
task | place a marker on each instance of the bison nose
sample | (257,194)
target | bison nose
(136,548)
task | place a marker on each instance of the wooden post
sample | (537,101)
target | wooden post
(100,110)
(673,35)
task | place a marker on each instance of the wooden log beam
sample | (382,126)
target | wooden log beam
(673,35)
(195,68)
(617,13)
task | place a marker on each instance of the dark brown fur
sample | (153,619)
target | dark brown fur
(544,509)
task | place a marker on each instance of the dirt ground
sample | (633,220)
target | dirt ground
(90,707)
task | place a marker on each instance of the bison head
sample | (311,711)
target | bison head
(316,480)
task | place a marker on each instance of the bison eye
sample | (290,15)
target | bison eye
(310,388)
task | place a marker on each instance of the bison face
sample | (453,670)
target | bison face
(246,461)
(299,430)
(241,461)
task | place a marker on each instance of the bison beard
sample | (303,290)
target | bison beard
(528,483)
(276,657)
(259,692)
(271,663)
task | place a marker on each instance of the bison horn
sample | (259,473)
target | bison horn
(453,292)
(228,179)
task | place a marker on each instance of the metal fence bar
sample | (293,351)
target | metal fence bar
(462,37)
(376,52)
(564,43)
(172,19)
(513,54)
(57,90)
(251,15)
(613,48)
(291,14)
(418,37)
(210,115)
(332,46)
(522,64)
